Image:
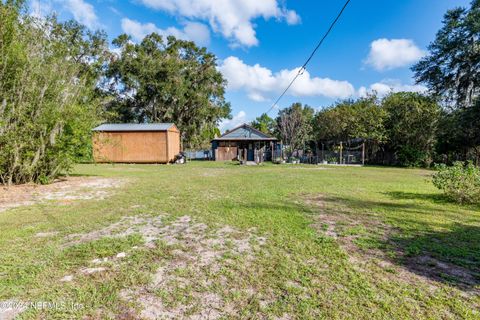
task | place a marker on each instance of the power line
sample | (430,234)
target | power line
(304,66)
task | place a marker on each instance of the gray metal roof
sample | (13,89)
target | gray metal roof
(245,132)
(115,127)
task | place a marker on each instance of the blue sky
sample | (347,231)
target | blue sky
(261,43)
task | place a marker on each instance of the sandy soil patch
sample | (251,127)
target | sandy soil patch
(198,254)
(10,309)
(46,234)
(196,263)
(63,191)
(151,228)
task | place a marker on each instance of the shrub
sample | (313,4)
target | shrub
(460,182)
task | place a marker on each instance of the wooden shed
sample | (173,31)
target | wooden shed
(136,143)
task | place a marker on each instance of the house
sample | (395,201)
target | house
(136,143)
(244,143)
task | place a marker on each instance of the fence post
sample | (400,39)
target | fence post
(341,152)
(363,154)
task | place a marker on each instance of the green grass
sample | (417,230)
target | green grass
(386,220)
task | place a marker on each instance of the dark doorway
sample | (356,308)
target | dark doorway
(251,155)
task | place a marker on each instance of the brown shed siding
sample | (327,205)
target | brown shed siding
(136,147)
(173,140)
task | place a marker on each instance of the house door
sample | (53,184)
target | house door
(251,152)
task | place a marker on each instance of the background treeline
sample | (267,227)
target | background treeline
(404,128)
(59,80)
(408,129)
(400,129)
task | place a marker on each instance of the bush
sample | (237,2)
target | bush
(460,182)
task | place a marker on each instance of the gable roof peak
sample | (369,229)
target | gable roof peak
(245,132)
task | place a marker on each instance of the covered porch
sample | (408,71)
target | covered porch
(245,144)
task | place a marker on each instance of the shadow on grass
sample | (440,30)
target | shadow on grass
(431,197)
(450,256)
(434,198)
(65,177)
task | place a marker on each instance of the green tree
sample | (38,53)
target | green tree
(48,101)
(452,72)
(173,81)
(351,119)
(411,126)
(264,123)
(459,137)
(294,126)
(452,69)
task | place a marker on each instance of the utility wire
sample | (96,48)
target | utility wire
(304,66)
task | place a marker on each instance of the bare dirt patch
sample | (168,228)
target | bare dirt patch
(46,234)
(149,227)
(10,309)
(67,278)
(334,219)
(63,191)
(197,258)
(185,286)
(92,270)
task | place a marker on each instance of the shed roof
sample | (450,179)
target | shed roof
(120,127)
(245,132)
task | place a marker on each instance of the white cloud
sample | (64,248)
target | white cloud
(237,120)
(257,81)
(40,9)
(231,18)
(292,17)
(197,32)
(192,31)
(83,12)
(255,96)
(387,86)
(388,54)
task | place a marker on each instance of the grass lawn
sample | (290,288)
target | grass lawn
(218,240)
